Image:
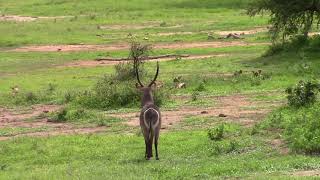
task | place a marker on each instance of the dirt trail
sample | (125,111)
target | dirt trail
(114,47)
(243,32)
(314,173)
(56,132)
(147,25)
(18,18)
(221,33)
(114,62)
(10,119)
(235,108)
(10,116)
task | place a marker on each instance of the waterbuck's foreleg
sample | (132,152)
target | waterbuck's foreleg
(156,137)
(146,153)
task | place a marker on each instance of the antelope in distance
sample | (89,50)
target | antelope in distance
(150,117)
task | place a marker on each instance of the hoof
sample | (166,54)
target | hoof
(157,158)
(147,158)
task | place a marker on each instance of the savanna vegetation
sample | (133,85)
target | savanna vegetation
(239,107)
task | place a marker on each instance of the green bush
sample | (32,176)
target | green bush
(109,93)
(216,134)
(81,115)
(59,116)
(304,132)
(304,93)
(294,44)
(301,127)
(124,71)
(114,93)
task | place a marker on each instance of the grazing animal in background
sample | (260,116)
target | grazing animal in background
(150,117)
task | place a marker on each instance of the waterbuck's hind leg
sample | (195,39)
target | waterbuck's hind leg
(156,137)
(146,140)
(150,145)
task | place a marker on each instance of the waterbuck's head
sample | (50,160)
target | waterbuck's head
(147,96)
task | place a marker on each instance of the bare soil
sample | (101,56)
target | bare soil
(147,25)
(17,18)
(9,118)
(307,173)
(114,62)
(235,108)
(243,32)
(114,47)
(221,33)
(280,145)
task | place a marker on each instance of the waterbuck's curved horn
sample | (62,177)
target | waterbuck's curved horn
(135,65)
(156,76)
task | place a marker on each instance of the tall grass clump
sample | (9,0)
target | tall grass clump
(299,120)
(119,90)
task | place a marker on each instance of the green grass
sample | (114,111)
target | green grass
(283,70)
(88,16)
(12,131)
(190,155)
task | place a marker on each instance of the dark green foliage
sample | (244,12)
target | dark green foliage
(195,95)
(201,87)
(288,17)
(224,147)
(113,93)
(295,44)
(301,127)
(59,116)
(51,87)
(216,134)
(304,93)
(109,93)
(30,97)
(124,71)
(304,131)
(82,115)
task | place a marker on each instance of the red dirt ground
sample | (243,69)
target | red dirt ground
(10,119)
(114,62)
(236,108)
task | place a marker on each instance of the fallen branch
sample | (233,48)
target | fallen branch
(145,58)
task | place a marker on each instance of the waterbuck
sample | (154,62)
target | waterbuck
(150,117)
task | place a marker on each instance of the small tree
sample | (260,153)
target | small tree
(288,17)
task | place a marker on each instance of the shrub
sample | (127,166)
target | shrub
(30,97)
(113,93)
(216,134)
(294,44)
(304,93)
(201,87)
(51,87)
(82,115)
(301,127)
(59,116)
(195,95)
(227,146)
(303,132)
(124,71)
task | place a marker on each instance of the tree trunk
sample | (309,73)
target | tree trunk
(309,23)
